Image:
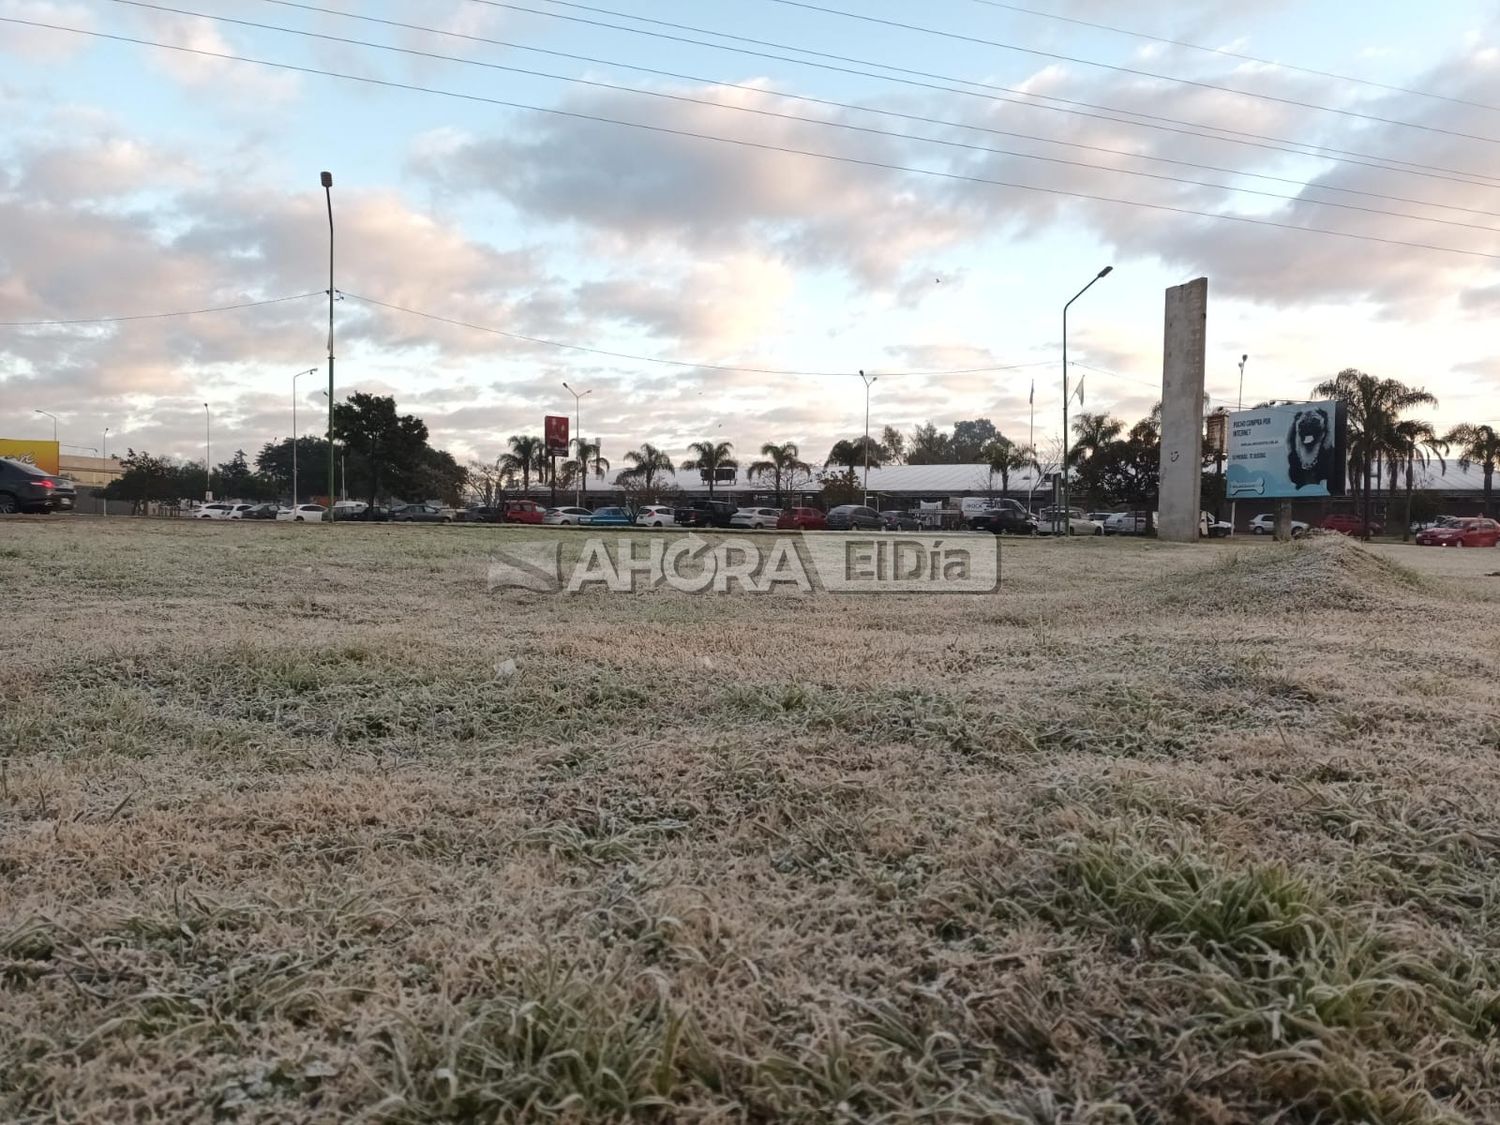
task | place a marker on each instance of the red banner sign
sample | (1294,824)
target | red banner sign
(555,432)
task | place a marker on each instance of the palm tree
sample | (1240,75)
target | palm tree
(1004,456)
(1091,433)
(851,453)
(526,453)
(708,457)
(646,464)
(1374,406)
(1477,445)
(782,464)
(1414,443)
(587,458)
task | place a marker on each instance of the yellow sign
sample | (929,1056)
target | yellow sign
(43,454)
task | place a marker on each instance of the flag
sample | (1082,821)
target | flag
(1080,390)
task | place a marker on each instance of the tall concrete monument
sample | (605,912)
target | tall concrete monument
(1182,412)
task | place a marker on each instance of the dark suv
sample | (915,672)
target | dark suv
(1007,517)
(854,517)
(25,488)
(705,513)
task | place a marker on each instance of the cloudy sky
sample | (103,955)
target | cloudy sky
(771,194)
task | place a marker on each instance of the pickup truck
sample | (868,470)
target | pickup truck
(706,513)
(1006,517)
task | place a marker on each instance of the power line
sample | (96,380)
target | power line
(1147,120)
(757,145)
(854,107)
(1081,61)
(868,130)
(160,316)
(667,362)
(1226,53)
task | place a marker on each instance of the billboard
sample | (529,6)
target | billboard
(555,433)
(45,455)
(1292,450)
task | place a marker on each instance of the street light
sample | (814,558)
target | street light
(104,442)
(49,414)
(1105,272)
(309,371)
(1243,360)
(578,397)
(869,382)
(327,181)
(208,457)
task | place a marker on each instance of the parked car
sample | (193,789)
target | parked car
(898,520)
(421,513)
(480,513)
(1049,522)
(566,517)
(854,517)
(25,488)
(1474,531)
(1128,523)
(1005,517)
(1101,518)
(302,513)
(1219,529)
(655,515)
(367,513)
(1347,523)
(801,519)
(1436,521)
(524,511)
(261,512)
(706,513)
(237,511)
(755,518)
(609,517)
(1265,524)
(219,510)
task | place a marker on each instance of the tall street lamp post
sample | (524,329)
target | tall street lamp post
(49,414)
(1066,509)
(309,371)
(1240,405)
(208,460)
(578,397)
(869,381)
(104,442)
(327,180)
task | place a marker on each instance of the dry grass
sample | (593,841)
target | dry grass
(1152,835)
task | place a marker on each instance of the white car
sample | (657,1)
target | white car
(1127,523)
(566,516)
(302,513)
(237,511)
(1265,524)
(214,511)
(755,518)
(656,515)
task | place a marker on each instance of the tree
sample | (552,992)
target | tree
(1091,433)
(1477,445)
(708,457)
(782,465)
(646,464)
(893,441)
(840,488)
(274,463)
(1373,407)
(1004,457)
(485,482)
(1414,443)
(527,453)
(587,457)
(393,446)
(147,479)
(851,453)
(929,446)
(966,446)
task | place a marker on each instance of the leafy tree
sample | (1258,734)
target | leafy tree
(1003,457)
(782,465)
(486,482)
(274,463)
(392,446)
(1477,445)
(1091,433)
(893,441)
(841,488)
(1413,443)
(929,446)
(708,457)
(647,465)
(588,457)
(1373,406)
(147,479)
(527,454)
(851,453)
(966,446)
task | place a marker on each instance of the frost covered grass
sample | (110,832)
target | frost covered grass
(300,827)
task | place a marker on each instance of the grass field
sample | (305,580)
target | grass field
(302,824)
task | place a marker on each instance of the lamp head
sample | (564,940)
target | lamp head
(1106,271)
(326,178)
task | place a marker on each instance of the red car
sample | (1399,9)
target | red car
(1473,532)
(1348,524)
(802,519)
(523,511)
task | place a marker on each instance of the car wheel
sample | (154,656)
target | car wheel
(8,504)
(1258,529)
(1099,531)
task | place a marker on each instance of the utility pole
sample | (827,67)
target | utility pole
(327,179)
(49,414)
(869,381)
(578,397)
(208,457)
(1234,524)
(103,503)
(309,371)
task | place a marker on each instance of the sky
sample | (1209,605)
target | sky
(712,216)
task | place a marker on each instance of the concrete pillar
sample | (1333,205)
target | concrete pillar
(1183,354)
